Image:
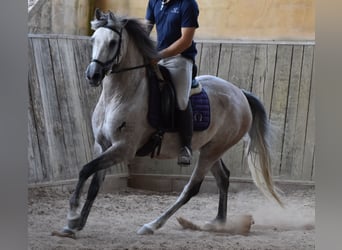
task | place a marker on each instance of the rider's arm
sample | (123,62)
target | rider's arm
(179,45)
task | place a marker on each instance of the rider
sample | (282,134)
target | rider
(176,22)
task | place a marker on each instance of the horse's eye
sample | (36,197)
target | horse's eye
(112,43)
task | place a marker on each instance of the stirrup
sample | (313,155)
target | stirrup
(185,156)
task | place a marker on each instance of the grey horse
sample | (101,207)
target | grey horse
(121,52)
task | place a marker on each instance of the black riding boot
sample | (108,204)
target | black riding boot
(185,125)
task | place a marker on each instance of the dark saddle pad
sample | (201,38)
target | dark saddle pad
(163,108)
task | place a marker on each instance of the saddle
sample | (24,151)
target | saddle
(162,112)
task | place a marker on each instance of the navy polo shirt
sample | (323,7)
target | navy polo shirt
(170,19)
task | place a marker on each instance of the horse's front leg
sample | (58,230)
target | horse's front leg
(113,155)
(74,217)
(77,221)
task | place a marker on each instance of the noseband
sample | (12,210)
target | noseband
(106,65)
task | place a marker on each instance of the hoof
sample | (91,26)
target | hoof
(74,223)
(64,233)
(145,230)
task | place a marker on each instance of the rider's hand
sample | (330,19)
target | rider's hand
(154,61)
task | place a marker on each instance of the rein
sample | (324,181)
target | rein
(130,68)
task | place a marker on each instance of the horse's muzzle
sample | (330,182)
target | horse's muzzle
(94,74)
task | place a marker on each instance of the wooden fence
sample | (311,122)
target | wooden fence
(61,103)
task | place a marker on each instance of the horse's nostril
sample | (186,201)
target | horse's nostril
(93,72)
(96,76)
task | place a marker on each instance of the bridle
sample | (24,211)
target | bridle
(107,64)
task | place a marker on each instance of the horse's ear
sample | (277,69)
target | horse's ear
(112,20)
(97,14)
(98,19)
(111,16)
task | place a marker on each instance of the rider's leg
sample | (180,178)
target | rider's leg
(181,73)
(185,129)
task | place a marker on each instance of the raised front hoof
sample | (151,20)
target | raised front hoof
(64,233)
(75,223)
(145,230)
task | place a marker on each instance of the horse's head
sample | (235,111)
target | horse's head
(110,45)
(106,41)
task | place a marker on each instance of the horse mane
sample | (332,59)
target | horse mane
(135,28)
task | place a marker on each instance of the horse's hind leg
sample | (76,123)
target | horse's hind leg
(241,224)
(190,190)
(221,174)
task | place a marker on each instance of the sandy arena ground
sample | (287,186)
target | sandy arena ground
(116,217)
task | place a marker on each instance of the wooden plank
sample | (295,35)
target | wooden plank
(34,158)
(309,142)
(313,166)
(263,75)
(269,81)
(73,101)
(224,62)
(209,59)
(33,150)
(279,102)
(309,154)
(259,72)
(242,65)
(291,112)
(53,147)
(302,113)
(309,146)
(36,101)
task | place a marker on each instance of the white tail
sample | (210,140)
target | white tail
(258,153)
